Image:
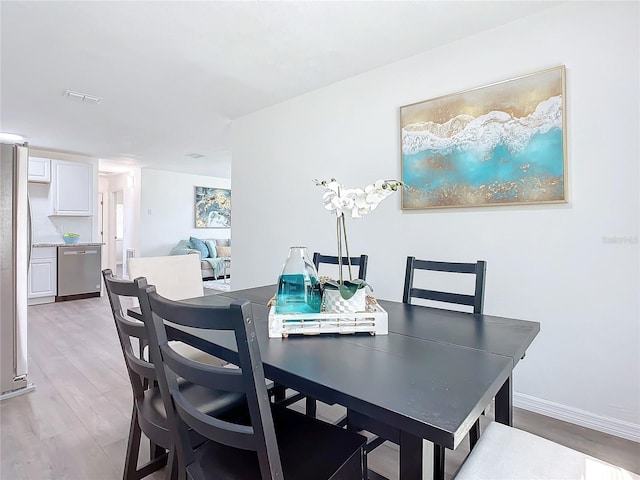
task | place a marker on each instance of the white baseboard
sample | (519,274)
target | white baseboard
(612,426)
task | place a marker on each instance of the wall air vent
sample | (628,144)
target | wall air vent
(84,97)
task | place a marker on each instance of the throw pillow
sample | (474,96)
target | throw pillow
(199,245)
(211,245)
(223,251)
(223,242)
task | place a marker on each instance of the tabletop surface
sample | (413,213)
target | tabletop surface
(499,335)
(431,376)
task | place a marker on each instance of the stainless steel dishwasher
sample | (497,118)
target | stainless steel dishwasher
(78,272)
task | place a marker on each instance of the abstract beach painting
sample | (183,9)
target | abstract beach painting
(213,207)
(499,144)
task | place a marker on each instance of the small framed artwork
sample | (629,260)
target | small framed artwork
(502,144)
(213,207)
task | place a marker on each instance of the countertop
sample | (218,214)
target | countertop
(62,244)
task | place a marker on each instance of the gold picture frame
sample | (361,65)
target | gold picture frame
(500,144)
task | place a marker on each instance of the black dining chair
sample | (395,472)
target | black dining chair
(318,258)
(475,301)
(264,441)
(148,412)
(360,262)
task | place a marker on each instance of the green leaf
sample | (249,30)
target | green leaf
(347,288)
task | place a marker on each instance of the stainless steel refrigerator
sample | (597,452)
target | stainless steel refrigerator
(15,252)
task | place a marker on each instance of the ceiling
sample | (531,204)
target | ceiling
(174,75)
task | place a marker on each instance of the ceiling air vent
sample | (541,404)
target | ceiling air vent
(195,155)
(85,97)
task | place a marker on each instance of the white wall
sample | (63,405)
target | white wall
(549,263)
(167,210)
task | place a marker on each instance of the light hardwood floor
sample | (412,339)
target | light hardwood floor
(75,425)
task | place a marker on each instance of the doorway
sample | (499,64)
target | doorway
(101,231)
(116,229)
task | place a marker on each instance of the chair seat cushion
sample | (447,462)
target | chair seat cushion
(507,453)
(309,450)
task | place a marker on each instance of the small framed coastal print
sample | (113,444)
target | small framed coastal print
(213,207)
(501,144)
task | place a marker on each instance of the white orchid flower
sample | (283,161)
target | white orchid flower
(358,201)
(338,199)
(361,207)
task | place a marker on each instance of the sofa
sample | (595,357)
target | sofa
(213,252)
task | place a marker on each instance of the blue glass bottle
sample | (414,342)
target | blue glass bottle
(298,285)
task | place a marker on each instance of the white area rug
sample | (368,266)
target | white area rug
(217,285)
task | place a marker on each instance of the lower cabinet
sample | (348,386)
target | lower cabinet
(43,275)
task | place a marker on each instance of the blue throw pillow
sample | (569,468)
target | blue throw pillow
(199,245)
(211,245)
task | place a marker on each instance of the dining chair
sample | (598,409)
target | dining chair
(265,441)
(473,300)
(526,456)
(176,277)
(318,258)
(148,413)
(360,262)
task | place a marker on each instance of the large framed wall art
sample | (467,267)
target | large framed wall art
(501,144)
(213,207)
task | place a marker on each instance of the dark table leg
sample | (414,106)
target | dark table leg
(438,462)
(410,457)
(504,403)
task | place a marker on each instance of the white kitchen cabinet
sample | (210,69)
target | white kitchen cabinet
(72,188)
(43,277)
(39,170)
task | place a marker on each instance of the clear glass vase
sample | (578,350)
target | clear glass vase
(298,286)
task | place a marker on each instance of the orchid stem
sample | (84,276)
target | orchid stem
(339,232)
(346,247)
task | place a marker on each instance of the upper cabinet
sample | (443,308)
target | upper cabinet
(72,184)
(39,170)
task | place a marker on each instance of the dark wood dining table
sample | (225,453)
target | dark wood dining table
(430,378)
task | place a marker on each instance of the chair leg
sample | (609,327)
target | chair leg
(474,434)
(133,448)
(278,392)
(172,472)
(311,407)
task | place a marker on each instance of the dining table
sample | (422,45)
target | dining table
(429,378)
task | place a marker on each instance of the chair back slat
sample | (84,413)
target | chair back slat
(211,376)
(475,300)
(248,379)
(143,368)
(445,297)
(360,262)
(140,371)
(451,267)
(218,430)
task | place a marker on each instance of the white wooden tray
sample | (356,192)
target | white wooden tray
(374,321)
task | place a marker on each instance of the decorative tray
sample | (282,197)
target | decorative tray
(374,321)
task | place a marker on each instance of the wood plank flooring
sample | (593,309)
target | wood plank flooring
(74,426)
